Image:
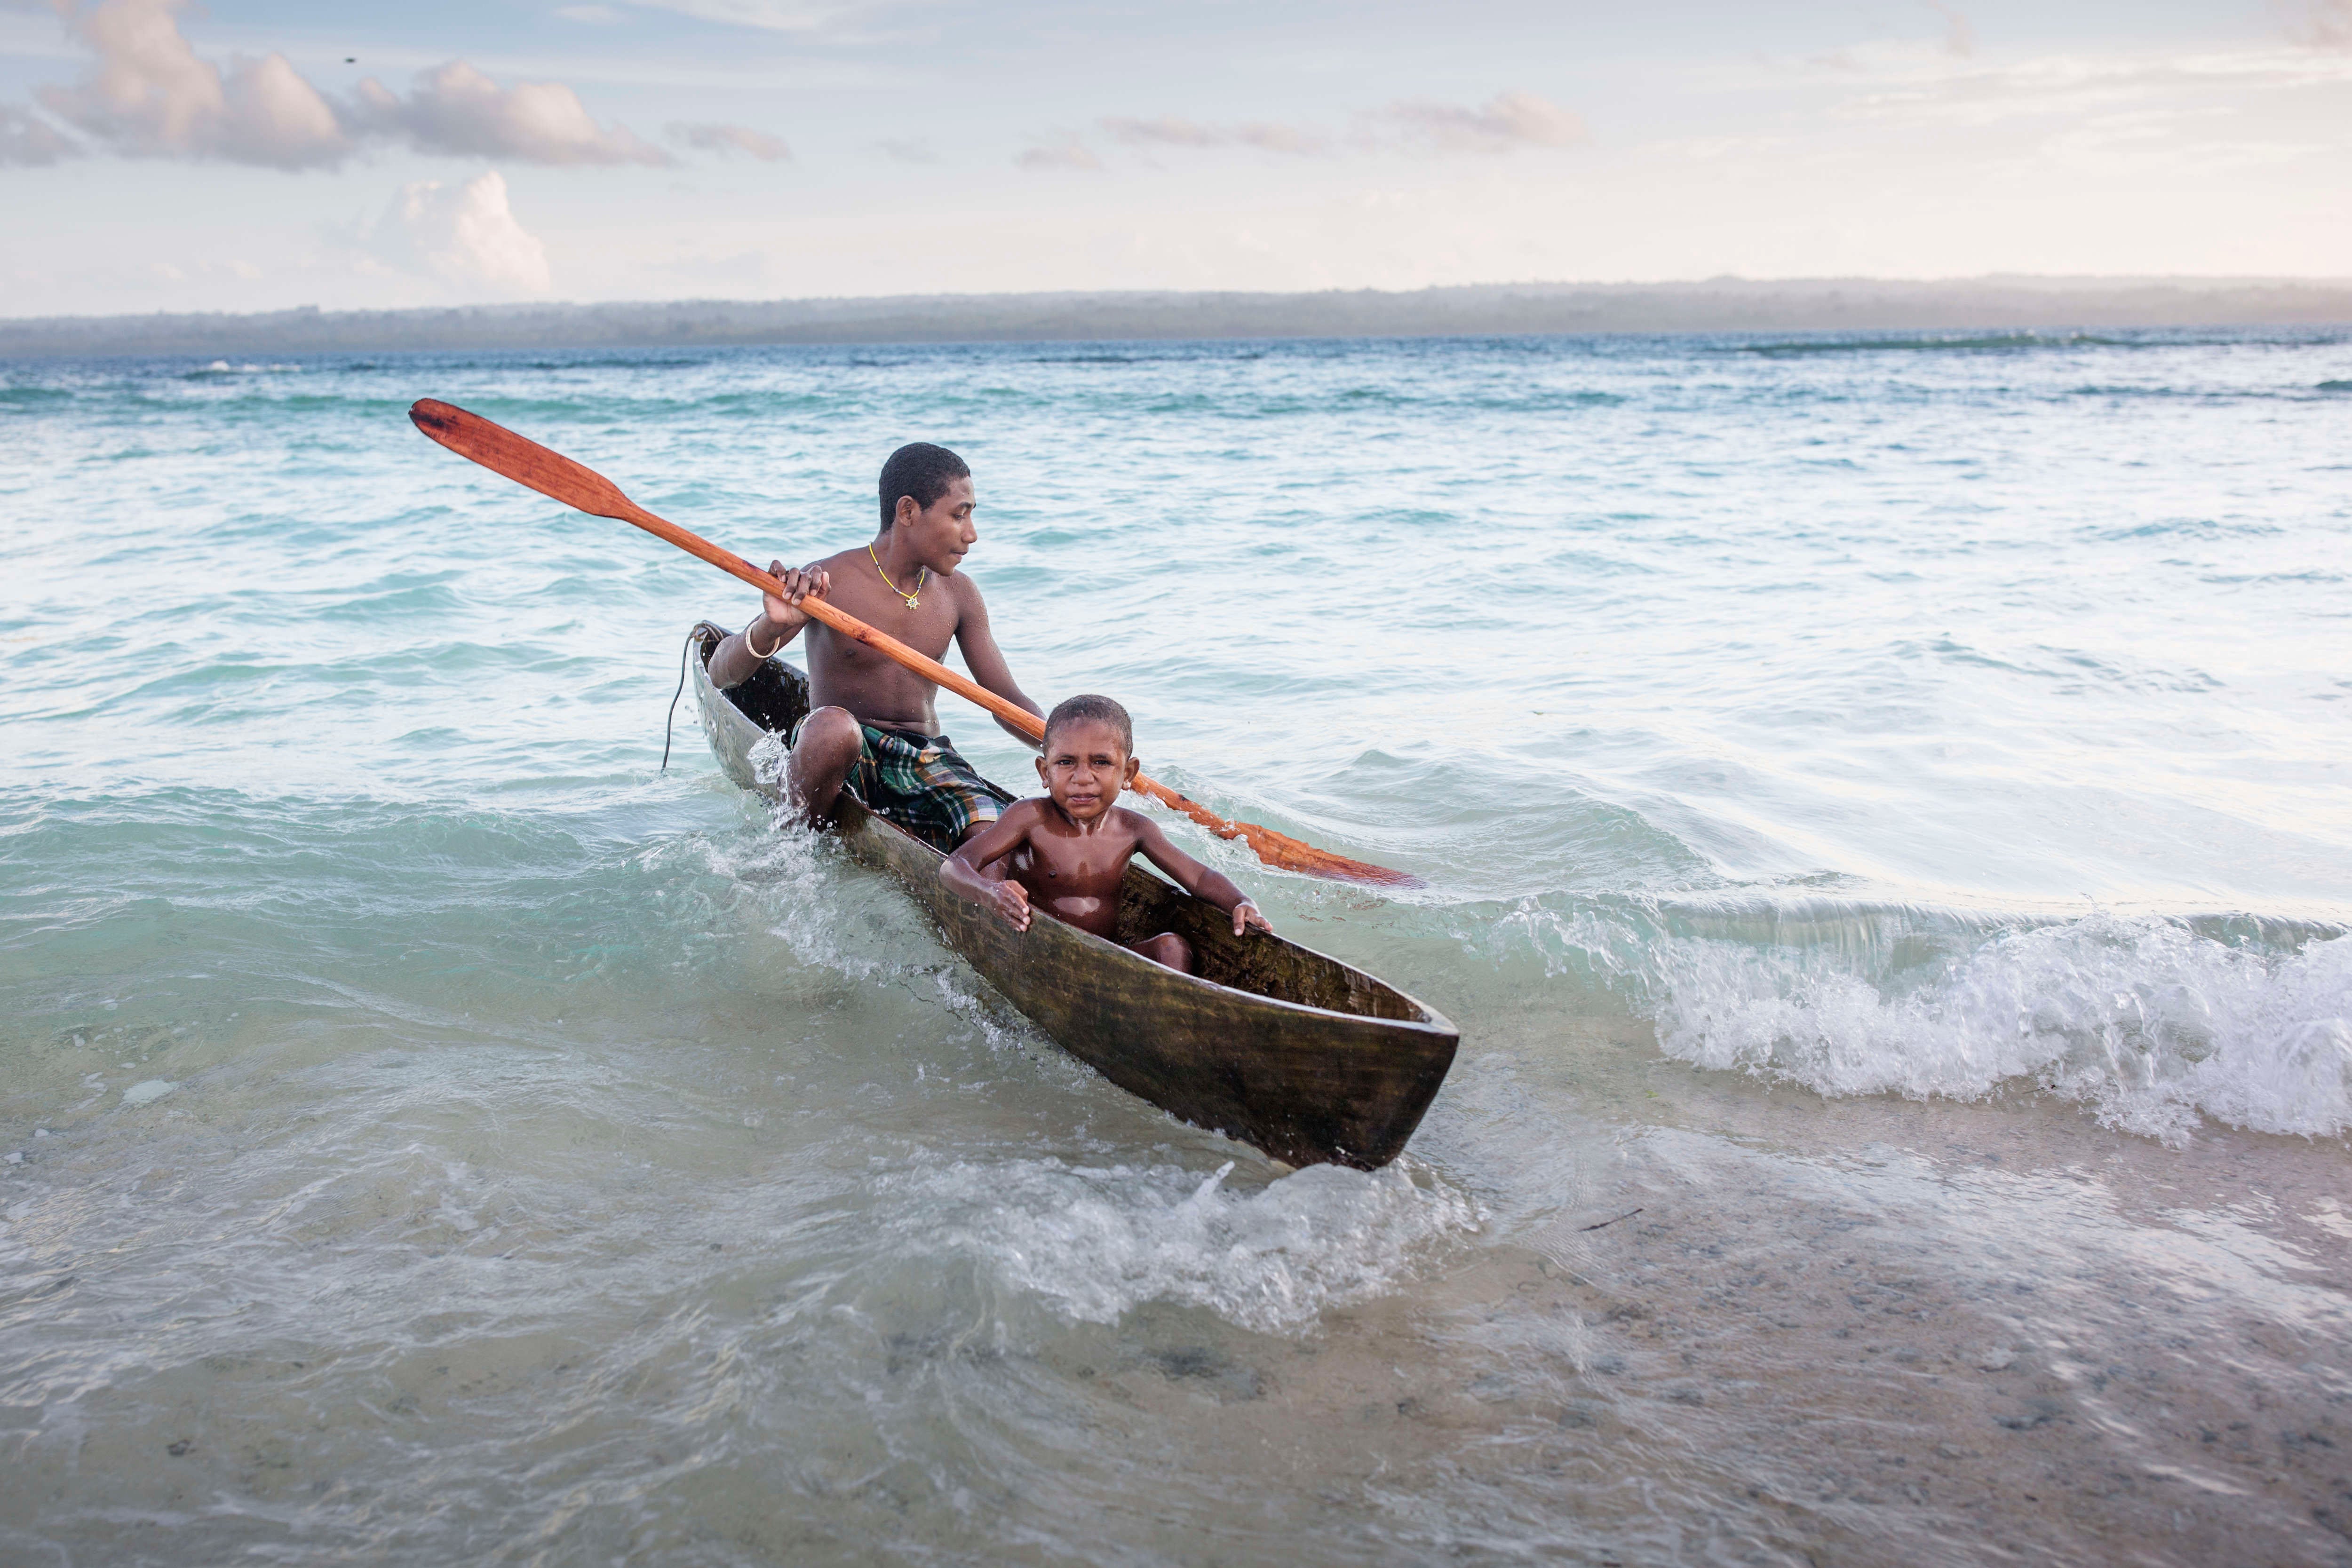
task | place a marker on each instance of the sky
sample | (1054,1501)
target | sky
(257,154)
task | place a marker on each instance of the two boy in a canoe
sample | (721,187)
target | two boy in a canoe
(872,726)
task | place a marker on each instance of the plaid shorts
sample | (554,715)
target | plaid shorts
(924,786)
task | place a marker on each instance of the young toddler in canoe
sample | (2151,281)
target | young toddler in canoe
(1065,853)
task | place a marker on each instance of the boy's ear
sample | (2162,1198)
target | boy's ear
(1134,767)
(1043,775)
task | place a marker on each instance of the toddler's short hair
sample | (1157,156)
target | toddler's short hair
(1091,708)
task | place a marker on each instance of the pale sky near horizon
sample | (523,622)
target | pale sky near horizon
(255,154)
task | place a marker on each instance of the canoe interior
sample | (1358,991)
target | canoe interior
(775,697)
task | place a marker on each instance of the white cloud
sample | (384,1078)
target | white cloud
(1959,37)
(2321,23)
(2072,86)
(28,140)
(1063,152)
(1165,132)
(466,236)
(458,110)
(770,15)
(1169,130)
(1503,123)
(730,138)
(151,96)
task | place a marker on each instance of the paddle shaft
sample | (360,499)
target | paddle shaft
(841,621)
(930,669)
(575,485)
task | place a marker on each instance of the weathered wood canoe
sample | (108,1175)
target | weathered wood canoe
(1312,1061)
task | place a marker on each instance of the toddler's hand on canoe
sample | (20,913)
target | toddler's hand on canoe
(1012,902)
(785,613)
(1246,917)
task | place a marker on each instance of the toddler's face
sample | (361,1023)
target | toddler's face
(1084,767)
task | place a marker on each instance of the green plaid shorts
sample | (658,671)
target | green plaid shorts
(924,786)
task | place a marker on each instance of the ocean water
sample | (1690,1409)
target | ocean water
(1886,807)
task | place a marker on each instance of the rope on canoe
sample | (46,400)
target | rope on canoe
(670,718)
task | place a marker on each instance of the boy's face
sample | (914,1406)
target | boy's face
(940,533)
(1084,767)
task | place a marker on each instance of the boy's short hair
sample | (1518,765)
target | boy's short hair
(921,470)
(1095,709)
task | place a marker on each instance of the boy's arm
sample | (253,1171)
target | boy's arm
(966,870)
(780,620)
(1195,878)
(983,658)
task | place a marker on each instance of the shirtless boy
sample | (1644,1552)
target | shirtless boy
(1065,853)
(872,726)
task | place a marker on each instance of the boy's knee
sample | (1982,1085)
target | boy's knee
(831,730)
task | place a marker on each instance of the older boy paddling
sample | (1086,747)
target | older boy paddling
(873,725)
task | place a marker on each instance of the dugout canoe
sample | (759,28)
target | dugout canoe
(1308,1058)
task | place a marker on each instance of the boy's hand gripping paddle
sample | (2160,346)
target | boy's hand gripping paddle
(526,462)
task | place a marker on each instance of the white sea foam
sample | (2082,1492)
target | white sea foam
(799,886)
(2146,1021)
(1096,1241)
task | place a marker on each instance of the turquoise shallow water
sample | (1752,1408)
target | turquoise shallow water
(1890,789)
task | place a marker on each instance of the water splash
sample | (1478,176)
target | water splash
(1096,1241)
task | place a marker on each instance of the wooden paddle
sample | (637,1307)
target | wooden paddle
(526,462)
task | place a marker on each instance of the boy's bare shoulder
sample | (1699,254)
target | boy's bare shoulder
(1136,822)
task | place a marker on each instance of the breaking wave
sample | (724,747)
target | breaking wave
(2153,1022)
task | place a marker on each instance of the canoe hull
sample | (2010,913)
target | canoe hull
(1306,1058)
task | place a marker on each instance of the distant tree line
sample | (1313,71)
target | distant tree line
(1718,305)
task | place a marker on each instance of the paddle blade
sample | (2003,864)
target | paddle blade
(522,459)
(1279,850)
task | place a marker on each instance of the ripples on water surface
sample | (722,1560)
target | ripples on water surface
(1885,811)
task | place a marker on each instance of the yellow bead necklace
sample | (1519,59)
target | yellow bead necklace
(923,576)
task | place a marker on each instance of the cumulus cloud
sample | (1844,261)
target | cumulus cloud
(28,140)
(1170,131)
(465,236)
(1062,152)
(458,110)
(730,138)
(1503,123)
(150,94)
